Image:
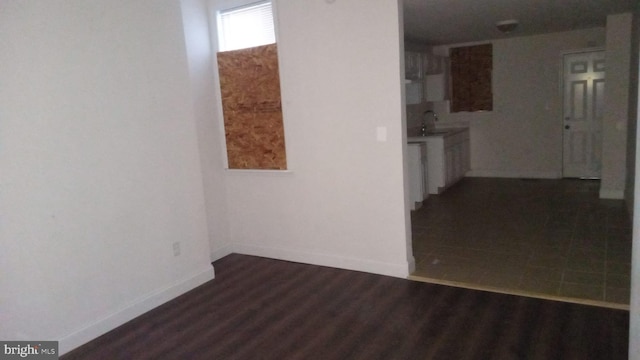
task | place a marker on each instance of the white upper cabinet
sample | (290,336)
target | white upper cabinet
(412,65)
(436,75)
(427,77)
(436,87)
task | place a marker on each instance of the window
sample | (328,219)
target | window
(471,69)
(246,26)
(249,78)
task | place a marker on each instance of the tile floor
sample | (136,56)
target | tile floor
(553,238)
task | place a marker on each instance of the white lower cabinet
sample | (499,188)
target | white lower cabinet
(417,163)
(449,159)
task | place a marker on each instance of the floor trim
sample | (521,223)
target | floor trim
(399,270)
(611,194)
(520,293)
(133,310)
(515,174)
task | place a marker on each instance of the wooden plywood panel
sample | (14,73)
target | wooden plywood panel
(250,87)
(471,71)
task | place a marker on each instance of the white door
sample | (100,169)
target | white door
(583,109)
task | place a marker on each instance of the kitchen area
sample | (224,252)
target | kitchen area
(521,221)
(438,156)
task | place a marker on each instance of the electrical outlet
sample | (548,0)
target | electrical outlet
(176,248)
(381,133)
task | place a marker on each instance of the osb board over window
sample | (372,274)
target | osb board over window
(471,69)
(250,86)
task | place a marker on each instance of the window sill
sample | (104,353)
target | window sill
(257,172)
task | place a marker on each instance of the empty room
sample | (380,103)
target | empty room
(167,192)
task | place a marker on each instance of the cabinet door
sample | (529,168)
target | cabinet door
(425,180)
(412,65)
(436,164)
(466,155)
(450,168)
(458,161)
(415,174)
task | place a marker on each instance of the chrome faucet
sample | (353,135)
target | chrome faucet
(435,114)
(423,130)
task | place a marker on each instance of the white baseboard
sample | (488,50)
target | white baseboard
(221,252)
(133,310)
(412,265)
(517,174)
(400,270)
(611,194)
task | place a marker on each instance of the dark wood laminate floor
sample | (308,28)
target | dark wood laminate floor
(259,308)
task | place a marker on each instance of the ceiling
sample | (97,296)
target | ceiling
(438,22)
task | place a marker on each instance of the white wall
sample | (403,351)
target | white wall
(633,182)
(522,136)
(633,110)
(616,107)
(342,203)
(100,167)
(196,20)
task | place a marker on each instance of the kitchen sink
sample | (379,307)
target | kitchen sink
(438,132)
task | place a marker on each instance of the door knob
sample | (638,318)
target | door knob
(567,126)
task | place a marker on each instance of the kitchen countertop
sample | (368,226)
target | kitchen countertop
(444,132)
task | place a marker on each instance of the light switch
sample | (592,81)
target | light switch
(381,133)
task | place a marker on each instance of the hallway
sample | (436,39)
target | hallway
(553,239)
